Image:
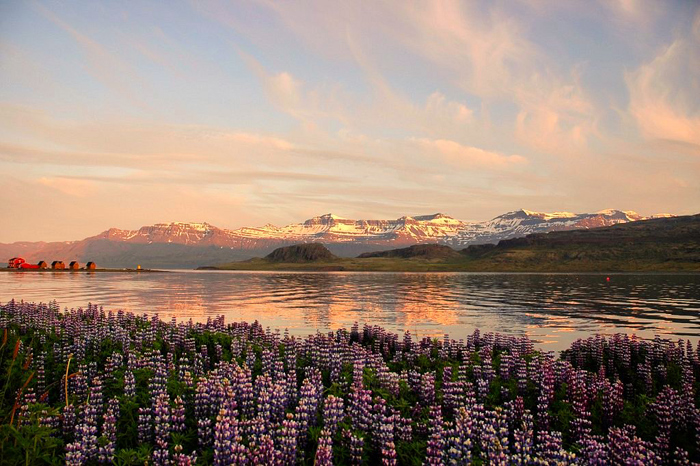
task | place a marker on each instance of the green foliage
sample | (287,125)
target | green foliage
(31,443)
(133,456)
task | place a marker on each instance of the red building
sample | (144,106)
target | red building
(27,265)
(15,263)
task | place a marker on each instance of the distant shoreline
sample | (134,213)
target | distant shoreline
(438,268)
(12,270)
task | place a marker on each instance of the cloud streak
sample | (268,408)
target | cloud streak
(663,93)
(471,157)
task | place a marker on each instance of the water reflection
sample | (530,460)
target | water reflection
(553,309)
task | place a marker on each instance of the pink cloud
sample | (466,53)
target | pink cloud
(664,94)
(471,157)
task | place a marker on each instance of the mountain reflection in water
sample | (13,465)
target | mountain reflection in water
(553,309)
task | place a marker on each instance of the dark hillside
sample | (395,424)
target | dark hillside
(309,252)
(664,244)
(422,251)
(645,231)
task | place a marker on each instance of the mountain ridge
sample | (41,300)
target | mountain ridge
(651,245)
(193,241)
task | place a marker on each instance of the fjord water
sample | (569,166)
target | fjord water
(553,309)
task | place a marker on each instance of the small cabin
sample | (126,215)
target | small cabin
(42,265)
(90,266)
(74,265)
(58,265)
(15,263)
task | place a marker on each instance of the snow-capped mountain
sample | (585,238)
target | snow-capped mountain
(197,234)
(337,229)
(524,222)
(433,228)
(184,244)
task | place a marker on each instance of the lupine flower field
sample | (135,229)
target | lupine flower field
(88,386)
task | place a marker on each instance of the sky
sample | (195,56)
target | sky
(123,114)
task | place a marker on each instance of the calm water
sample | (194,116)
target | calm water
(553,309)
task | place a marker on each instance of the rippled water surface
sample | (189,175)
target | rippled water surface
(553,309)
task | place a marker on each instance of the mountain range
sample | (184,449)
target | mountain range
(652,245)
(180,245)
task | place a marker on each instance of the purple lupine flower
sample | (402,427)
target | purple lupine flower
(157,384)
(644,372)
(436,440)
(145,425)
(358,373)
(403,428)
(223,438)
(129,384)
(624,447)
(287,436)
(522,447)
(162,428)
(333,413)
(459,439)
(109,432)
(50,421)
(521,374)
(681,457)
(93,411)
(578,393)
(178,416)
(204,433)
(68,421)
(262,451)
(356,445)
(202,400)
(383,431)
(23,413)
(359,408)
(305,413)
(75,455)
(665,410)
(324,452)
(228,440)
(427,388)
(453,391)
(181,459)
(244,395)
(40,363)
(549,449)
(594,451)
(85,443)
(495,436)
(85,447)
